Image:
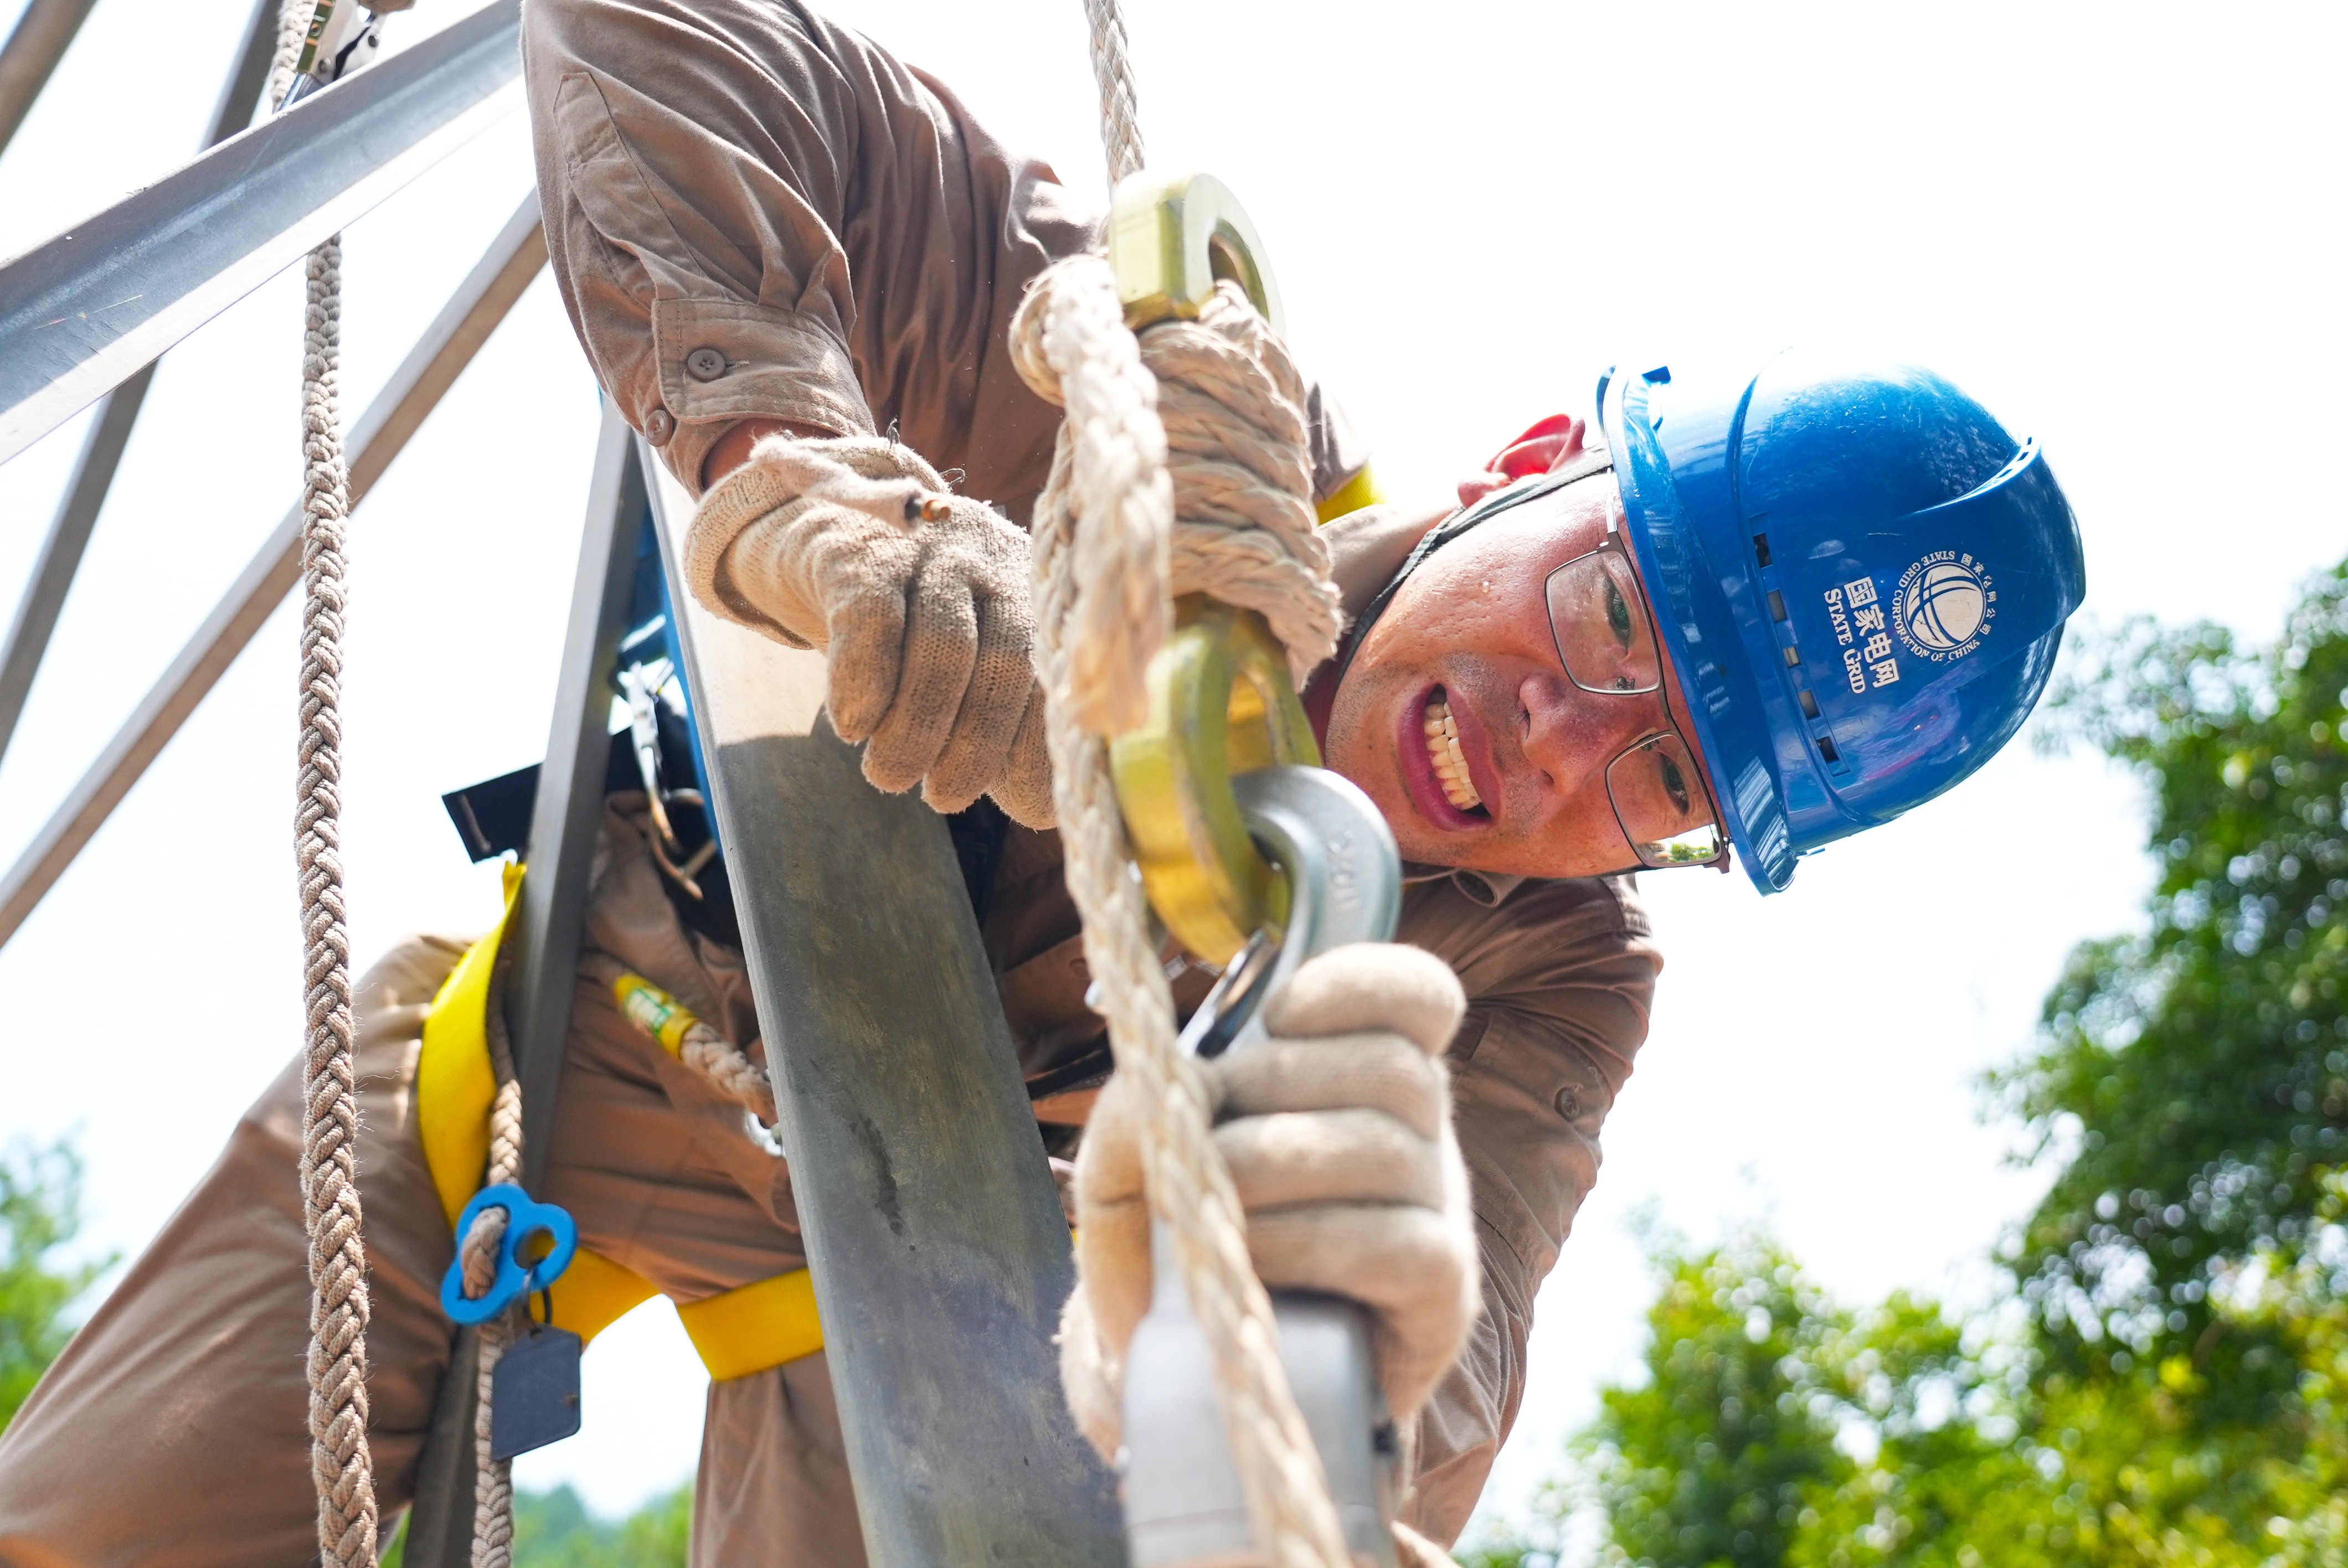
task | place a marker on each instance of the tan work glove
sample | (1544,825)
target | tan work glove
(920,599)
(1337,1130)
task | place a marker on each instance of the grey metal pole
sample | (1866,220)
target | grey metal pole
(937,1241)
(472,312)
(81,312)
(101,453)
(61,552)
(551,919)
(550,924)
(38,42)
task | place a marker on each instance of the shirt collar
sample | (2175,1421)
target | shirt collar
(1489,888)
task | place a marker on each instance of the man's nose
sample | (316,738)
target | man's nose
(1572,734)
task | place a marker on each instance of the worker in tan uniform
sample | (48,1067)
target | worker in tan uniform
(1754,615)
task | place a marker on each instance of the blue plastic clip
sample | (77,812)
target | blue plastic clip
(525,1218)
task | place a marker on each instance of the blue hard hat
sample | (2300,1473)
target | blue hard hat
(1860,576)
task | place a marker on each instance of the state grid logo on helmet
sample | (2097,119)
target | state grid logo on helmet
(1944,605)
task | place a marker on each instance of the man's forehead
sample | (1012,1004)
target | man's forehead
(1589,500)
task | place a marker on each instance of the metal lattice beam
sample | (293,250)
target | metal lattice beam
(39,41)
(431,368)
(550,924)
(101,453)
(81,313)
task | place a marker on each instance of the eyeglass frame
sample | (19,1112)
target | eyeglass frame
(1492,506)
(1614,544)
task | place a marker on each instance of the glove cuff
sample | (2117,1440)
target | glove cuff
(866,473)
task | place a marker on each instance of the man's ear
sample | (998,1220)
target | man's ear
(1546,446)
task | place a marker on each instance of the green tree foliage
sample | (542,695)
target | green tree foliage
(554,1530)
(2192,1089)
(1710,1462)
(1902,1440)
(40,1212)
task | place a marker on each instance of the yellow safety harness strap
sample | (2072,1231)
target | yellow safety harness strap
(653,1011)
(454,1082)
(592,1294)
(737,1333)
(1356,493)
(755,1326)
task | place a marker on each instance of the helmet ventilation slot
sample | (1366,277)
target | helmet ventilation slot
(1809,703)
(1761,548)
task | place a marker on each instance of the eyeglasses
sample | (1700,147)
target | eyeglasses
(1605,635)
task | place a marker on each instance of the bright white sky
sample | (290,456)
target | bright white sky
(2119,227)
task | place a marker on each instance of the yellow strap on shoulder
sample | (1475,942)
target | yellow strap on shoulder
(755,1326)
(454,1083)
(1356,493)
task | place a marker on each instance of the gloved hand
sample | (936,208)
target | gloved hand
(919,598)
(1337,1130)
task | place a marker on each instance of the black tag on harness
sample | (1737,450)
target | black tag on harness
(534,1392)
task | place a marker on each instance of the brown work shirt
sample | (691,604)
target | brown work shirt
(754,213)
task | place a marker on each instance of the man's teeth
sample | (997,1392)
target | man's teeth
(1450,762)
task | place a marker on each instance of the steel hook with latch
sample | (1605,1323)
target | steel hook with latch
(1256,861)
(1184,1500)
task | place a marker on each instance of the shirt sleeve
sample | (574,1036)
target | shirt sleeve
(754,214)
(1559,978)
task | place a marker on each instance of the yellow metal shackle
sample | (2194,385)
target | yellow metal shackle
(1221,700)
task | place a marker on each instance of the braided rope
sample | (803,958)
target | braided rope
(341,1464)
(1218,440)
(701,1048)
(338,1314)
(493,1478)
(1120,105)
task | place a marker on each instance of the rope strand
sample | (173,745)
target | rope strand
(493,1478)
(338,1314)
(340,1465)
(1120,105)
(1218,440)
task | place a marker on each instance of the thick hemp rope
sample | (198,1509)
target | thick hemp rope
(700,1047)
(1111,478)
(1202,423)
(493,1478)
(340,1462)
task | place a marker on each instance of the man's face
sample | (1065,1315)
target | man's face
(1468,635)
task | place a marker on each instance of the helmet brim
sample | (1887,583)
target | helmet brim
(1689,593)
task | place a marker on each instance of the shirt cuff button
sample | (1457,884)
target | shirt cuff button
(659,425)
(704,365)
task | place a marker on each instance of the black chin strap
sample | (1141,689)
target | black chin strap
(1501,500)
